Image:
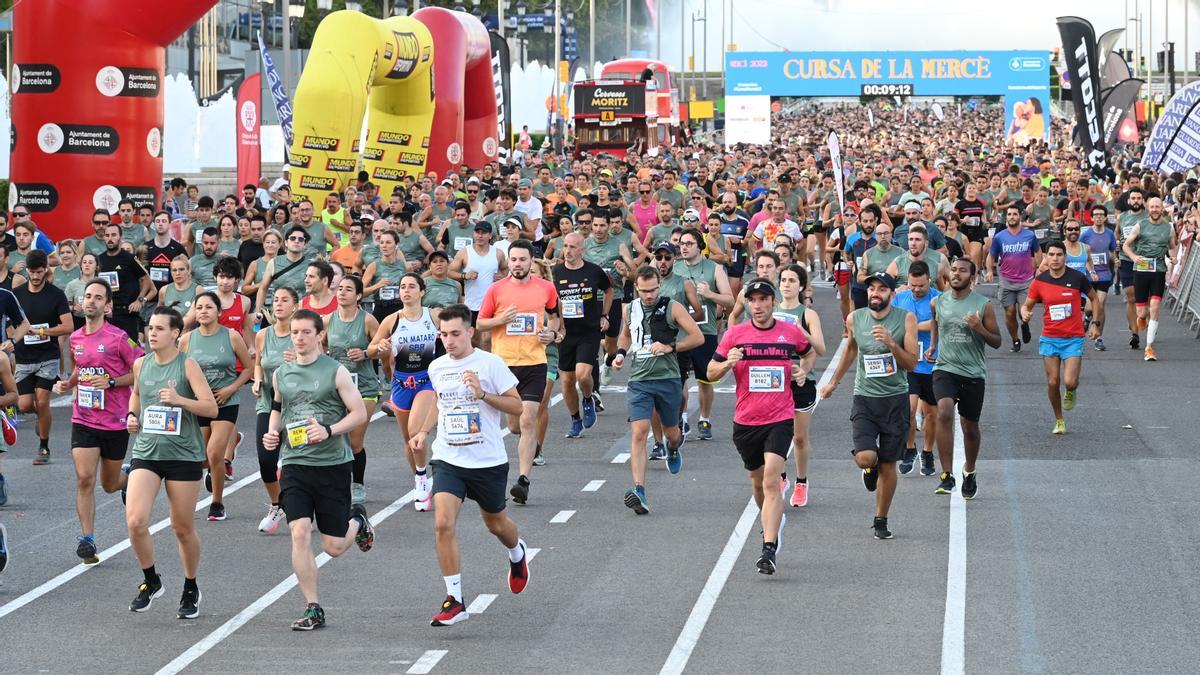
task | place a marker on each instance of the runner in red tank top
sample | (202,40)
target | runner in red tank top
(317,285)
(236,316)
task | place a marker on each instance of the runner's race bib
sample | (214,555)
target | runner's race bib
(297,433)
(572,309)
(389,292)
(112,279)
(89,398)
(1060,312)
(522,324)
(1040,234)
(160,274)
(786,318)
(1146,265)
(32,337)
(463,422)
(1099,259)
(879,365)
(461,243)
(767,378)
(161,419)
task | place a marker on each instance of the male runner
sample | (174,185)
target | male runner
(316,404)
(759,352)
(1126,221)
(963,322)
(38,354)
(521,311)
(712,285)
(917,299)
(651,329)
(1102,244)
(580,284)
(882,342)
(473,387)
(1018,253)
(103,356)
(1149,245)
(1061,290)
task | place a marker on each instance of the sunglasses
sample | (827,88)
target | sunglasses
(645,192)
(299,239)
(472,192)
(100,222)
(581,221)
(664,256)
(1071,229)
(20,214)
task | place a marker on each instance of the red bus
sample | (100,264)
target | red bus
(668,94)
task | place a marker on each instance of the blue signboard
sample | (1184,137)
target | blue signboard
(1022,77)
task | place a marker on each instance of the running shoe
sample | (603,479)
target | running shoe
(704,430)
(675,460)
(9,428)
(870,479)
(783,486)
(3,491)
(598,401)
(313,618)
(1135,342)
(386,407)
(1026,336)
(452,612)
(358,493)
(237,446)
(880,525)
(1016,346)
(229,465)
(800,495)
(422,506)
(635,499)
(1060,427)
(43,455)
(520,490)
(927,464)
(908,460)
(87,550)
(766,561)
(1148,356)
(946,486)
(147,594)
(3,547)
(189,604)
(685,426)
(125,469)
(539,459)
(606,374)
(216,512)
(208,481)
(271,521)
(969,487)
(365,537)
(657,451)
(424,486)
(518,572)
(1100,345)
(576,429)
(1069,400)
(589,413)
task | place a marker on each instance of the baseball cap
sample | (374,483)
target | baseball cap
(606,172)
(691,216)
(760,286)
(524,182)
(912,206)
(883,278)
(483,226)
(515,221)
(279,182)
(664,246)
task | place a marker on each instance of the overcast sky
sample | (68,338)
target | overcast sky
(815,25)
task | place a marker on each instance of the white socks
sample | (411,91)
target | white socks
(1151,331)
(516,553)
(454,586)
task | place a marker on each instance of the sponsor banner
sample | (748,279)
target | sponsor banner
(407,50)
(394,138)
(120,81)
(77,139)
(1118,102)
(283,107)
(835,159)
(323,143)
(39,197)
(34,78)
(372,154)
(610,99)
(1079,49)
(1178,109)
(299,161)
(389,173)
(139,195)
(412,158)
(322,183)
(501,69)
(341,164)
(248,128)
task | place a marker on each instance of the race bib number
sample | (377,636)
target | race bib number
(32,337)
(461,243)
(1099,259)
(1125,230)
(767,378)
(572,309)
(160,274)
(522,324)
(297,433)
(113,280)
(161,419)
(462,423)
(1060,312)
(389,292)
(858,262)
(879,365)
(89,398)
(1040,234)
(1112,219)
(211,288)
(921,347)
(973,221)
(786,318)
(1146,265)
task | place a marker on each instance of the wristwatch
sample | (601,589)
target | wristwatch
(112,383)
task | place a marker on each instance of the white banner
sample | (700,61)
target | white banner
(937,112)
(747,120)
(871,117)
(835,158)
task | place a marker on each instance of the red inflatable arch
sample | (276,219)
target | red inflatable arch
(87,106)
(465,119)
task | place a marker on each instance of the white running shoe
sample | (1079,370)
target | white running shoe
(271,521)
(358,493)
(606,374)
(424,485)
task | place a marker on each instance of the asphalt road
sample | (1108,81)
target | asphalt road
(1075,557)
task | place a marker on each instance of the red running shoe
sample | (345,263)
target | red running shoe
(452,612)
(518,572)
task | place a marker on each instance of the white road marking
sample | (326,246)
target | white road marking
(427,661)
(694,626)
(954,623)
(592,486)
(621,458)
(531,552)
(562,516)
(481,602)
(266,600)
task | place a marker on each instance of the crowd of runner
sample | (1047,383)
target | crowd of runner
(459,304)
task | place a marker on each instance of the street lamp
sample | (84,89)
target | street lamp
(698,18)
(400,9)
(521,29)
(354,6)
(325,5)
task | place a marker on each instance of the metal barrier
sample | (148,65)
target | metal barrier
(1184,297)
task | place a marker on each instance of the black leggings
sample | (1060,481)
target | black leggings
(268,461)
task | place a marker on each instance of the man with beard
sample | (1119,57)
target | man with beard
(918,249)
(712,286)
(681,290)
(963,322)
(857,244)
(1126,221)
(319,234)
(734,226)
(521,311)
(1149,245)
(882,343)
(1017,250)
(130,284)
(1101,243)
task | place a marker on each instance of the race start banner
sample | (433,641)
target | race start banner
(1022,77)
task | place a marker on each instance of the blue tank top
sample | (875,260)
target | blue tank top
(1078,262)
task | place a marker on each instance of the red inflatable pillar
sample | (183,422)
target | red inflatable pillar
(87,105)
(480,117)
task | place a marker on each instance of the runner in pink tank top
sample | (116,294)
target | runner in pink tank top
(106,353)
